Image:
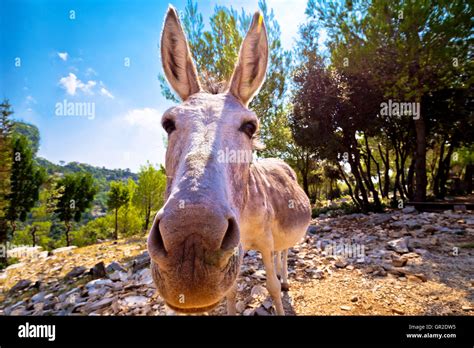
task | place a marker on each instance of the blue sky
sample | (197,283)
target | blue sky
(51,55)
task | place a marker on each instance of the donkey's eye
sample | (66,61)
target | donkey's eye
(249,128)
(169,126)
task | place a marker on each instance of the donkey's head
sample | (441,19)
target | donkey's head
(194,243)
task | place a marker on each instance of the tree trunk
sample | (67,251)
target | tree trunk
(359,183)
(33,234)
(355,199)
(445,173)
(147,218)
(385,188)
(116,224)
(68,228)
(305,183)
(436,181)
(411,172)
(3,242)
(420,162)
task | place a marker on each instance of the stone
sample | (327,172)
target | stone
(399,261)
(346,308)
(260,274)
(341,263)
(21,285)
(354,299)
(258,291)
(467,308)
(460,208)
(327,228)
(409,210)
(115,266)
(118,276)
(39,297)
(98,271)
(99,283)
(398,245)
(240,306)
(63,250)
(248,312)
(76,272)
(398,311)
(141,261)
(312,229)
(135,301)
(251,253)
(416,278)
(261,312)
(267,304)
(92,307)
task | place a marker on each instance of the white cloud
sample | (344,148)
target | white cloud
(30,100)
(72,84)
(106,93)
(90,72)
(63,55)
(147,118)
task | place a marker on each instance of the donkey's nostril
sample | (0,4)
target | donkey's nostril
(232,236)
(156,247)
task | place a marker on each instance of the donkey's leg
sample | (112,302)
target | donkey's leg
(284,271)
(273,284)
(278,263)
(230,297)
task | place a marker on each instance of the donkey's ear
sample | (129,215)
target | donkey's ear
(249,72)
(176,57)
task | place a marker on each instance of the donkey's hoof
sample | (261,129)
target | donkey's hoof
(285,287)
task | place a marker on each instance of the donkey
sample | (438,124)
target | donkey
(216,207)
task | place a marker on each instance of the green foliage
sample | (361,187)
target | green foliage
(118,196)
(94,231)
(29,131)
(75,195)
(26,179)
(149,194)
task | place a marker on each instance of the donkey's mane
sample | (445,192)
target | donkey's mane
(211,85)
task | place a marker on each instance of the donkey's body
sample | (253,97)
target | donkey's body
(277,213)
(216,207)
(275,218)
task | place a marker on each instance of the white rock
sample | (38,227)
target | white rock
(398,245)
(63,250)
(99,282)
(240,306)
(258,291)
(135,301)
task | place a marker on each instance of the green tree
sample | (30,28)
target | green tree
(5,173)
(25,181)
(117,197)
(75,194)
(30,131)
(149,195)
(409,48)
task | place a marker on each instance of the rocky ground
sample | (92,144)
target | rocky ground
(397,263)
